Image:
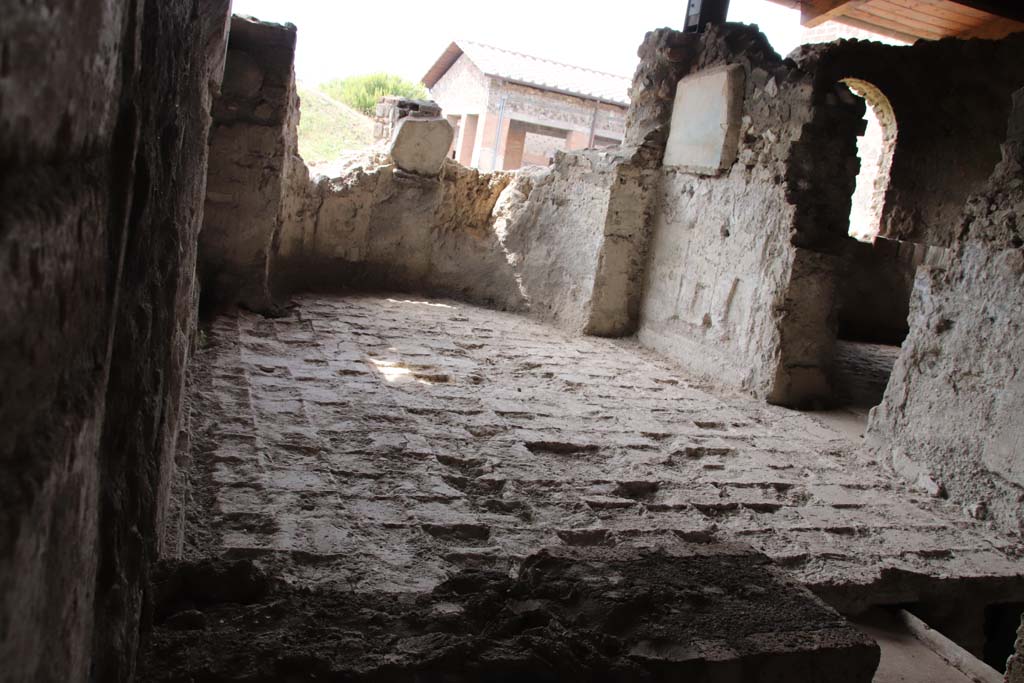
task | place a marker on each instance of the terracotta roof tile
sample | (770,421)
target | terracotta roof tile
(534,71)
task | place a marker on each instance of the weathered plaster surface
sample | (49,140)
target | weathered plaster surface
(704,132)
(952,409)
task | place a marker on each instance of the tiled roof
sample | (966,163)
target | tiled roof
(533,71)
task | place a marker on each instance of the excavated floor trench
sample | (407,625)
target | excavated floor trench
(361,452)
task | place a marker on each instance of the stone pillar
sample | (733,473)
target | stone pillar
(515,141)
(467,139)
(486,157)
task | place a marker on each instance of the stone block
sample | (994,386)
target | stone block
(421,145)
(704,133)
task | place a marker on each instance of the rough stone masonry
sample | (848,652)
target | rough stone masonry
(407,487)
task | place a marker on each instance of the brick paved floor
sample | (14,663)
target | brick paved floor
(382,444)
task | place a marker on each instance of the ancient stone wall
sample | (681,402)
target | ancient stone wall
(579,241)
(950,419)
(558,235)
(951,99)
(103,125)
(252,140)
(376,226)
(272,230)
(741,273)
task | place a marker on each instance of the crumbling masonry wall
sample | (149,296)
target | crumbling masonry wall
(271,230)
(951,99)
(951,412)
(376,226)
(251,145)
(103,126)
(740,277)
(579,240)
(568,244)
(749,270)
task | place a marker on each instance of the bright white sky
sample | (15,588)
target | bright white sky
(340,38)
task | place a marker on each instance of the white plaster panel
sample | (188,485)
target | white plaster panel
(704,131)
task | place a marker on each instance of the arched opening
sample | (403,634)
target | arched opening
(875,149)
(877,274)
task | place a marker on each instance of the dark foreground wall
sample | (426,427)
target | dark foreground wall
(103,126)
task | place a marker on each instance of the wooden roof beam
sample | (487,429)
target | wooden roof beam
(814,12)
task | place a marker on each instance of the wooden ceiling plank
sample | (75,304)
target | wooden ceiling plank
(815,12)
(924,15)
(917,20)
(944,8)
(902,27)
(899,35)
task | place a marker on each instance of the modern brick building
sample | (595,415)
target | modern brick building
(512,110)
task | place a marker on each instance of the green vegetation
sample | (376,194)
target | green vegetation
(363,92)
(328,128)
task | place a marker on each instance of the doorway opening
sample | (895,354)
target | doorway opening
(876,275)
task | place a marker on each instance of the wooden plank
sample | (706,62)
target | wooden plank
(815,12)
(874,28)
(918,21)
(943,8)
(883,22)
(957,657)
(924,14)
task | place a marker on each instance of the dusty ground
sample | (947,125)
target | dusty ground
(374,446)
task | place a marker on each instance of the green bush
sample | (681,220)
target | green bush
(328,129)
(363,92)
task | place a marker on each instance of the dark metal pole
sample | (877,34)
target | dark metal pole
(700,13)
